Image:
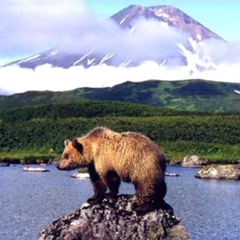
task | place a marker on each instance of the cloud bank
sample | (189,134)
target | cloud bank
(32,26)
(16,80)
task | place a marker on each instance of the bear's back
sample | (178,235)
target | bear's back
(101,132)
(124,140)
(142,141)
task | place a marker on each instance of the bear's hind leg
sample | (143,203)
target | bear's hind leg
(144,200)
(160,192)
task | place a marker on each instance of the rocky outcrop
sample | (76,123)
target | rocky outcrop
(194,161)
(219,172)
(113,219)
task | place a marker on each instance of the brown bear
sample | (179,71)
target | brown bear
(111,157)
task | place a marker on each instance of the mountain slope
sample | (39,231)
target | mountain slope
(188,95)
(168,17)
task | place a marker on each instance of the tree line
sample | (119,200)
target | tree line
(40,129)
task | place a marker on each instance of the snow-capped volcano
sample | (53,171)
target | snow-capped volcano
(137,34)
(166,15)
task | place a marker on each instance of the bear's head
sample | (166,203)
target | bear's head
(72,156)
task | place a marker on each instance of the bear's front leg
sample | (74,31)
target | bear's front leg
(112,181)
(99,186)
(99,192)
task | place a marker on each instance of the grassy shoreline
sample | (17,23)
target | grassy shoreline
(214,153)
(22,157)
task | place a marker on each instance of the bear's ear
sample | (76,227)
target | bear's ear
(77,145)
(66,142)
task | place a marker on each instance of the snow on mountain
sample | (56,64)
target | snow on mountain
(236,91)
(163,34)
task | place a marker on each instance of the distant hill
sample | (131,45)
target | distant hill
(188,95)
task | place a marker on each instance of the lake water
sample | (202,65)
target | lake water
(30,201)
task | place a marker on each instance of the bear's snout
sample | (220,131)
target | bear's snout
(58,166)
(65,164)
(61,165)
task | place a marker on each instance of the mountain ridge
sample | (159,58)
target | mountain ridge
(184,95)
(166,13)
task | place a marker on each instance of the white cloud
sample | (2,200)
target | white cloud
(14,79)
(29,26)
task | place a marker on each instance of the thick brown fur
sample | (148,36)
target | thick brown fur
(112,157)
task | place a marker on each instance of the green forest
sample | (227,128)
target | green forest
(185,95)
(32,133)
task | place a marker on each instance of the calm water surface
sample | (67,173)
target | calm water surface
(30,201)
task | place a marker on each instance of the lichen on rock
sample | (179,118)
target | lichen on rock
(113,219)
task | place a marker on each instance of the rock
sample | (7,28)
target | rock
(4,164)
(168,174)
(81,175)
(35,169)
(219,172)
(113,219)
(194,161)
(175,163)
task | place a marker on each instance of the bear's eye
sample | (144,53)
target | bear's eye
(66,156)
